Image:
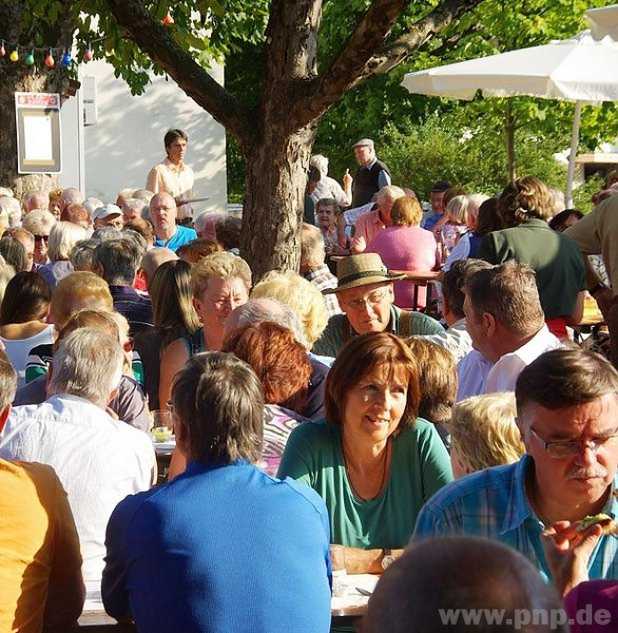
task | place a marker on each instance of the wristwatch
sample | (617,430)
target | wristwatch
(387,558)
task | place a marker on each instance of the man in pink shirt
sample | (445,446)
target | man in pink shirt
(371,223)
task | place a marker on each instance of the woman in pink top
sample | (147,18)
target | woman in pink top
(406,246)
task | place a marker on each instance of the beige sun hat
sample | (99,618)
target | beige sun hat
(361,270)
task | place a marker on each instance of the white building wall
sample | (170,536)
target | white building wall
(126,140)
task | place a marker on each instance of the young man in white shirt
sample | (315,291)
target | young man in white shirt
(506,323)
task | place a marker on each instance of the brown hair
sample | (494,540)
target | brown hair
(406,211)
(510,293)
(488,219)
(228,230)
(26,298)
(523,199)
(564,378)
(280,362)
(437,373)
(75,213)
(454,281)
(451,192)
(141,227)
(360,356)
(218,399)
(194,251)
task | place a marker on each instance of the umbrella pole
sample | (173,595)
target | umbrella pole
(574,143)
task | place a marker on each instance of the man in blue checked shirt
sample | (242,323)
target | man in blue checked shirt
(567,404)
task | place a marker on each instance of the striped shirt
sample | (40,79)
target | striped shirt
(493,503)
(322,278)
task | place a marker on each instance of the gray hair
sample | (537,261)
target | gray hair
(82,255)
(91,204)
(390,191)
(264,309)
(320,162)
(62,238)
(137,239)
(106,233)
(140,205)
(118,260)
(312,251)
(88,364)
(39,198)
(38,222)
(12,208)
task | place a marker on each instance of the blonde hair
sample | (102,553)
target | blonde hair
(62,238)
(223,265)
(484,432)
(459,210)
(299,294)
(406,212)
(78,291)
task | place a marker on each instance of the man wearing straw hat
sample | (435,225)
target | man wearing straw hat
(365,294)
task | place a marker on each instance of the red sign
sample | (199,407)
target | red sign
(37,100)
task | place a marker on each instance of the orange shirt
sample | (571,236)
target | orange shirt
(40,563)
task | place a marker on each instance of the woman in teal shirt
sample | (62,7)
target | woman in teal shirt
(373,461)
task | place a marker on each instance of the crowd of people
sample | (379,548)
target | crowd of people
(350,418)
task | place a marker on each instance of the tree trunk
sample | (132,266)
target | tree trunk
(276,177)
(19,79)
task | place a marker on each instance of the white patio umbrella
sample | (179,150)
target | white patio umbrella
(582,69)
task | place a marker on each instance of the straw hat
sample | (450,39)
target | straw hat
(361,270)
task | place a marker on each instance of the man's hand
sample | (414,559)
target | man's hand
(567,551)
(358,245)
(347,180)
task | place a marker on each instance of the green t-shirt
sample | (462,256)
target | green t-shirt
(420,466)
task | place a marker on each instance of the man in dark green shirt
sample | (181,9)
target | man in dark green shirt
(365,294)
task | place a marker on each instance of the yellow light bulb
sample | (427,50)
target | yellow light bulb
(14,56)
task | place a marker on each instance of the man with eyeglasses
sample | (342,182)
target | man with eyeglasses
(567,405)
(365,294)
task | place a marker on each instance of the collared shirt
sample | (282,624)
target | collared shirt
(217,548)
(166,177)
(135,307)
(456,339)
(183,235)
(493,503)
(503,375)
(99,461)
(323,279)
(472,373)
(477,375)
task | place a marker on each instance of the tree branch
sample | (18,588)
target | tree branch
(359,60)
(155,40)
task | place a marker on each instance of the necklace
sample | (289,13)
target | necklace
(382,479)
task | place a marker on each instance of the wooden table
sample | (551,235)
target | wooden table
(420,278)
(100,622)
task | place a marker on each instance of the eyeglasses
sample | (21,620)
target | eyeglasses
(568,448)
(41,238)
(373,299)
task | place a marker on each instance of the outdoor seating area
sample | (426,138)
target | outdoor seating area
(370,384)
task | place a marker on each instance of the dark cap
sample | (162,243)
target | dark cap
(440,186)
